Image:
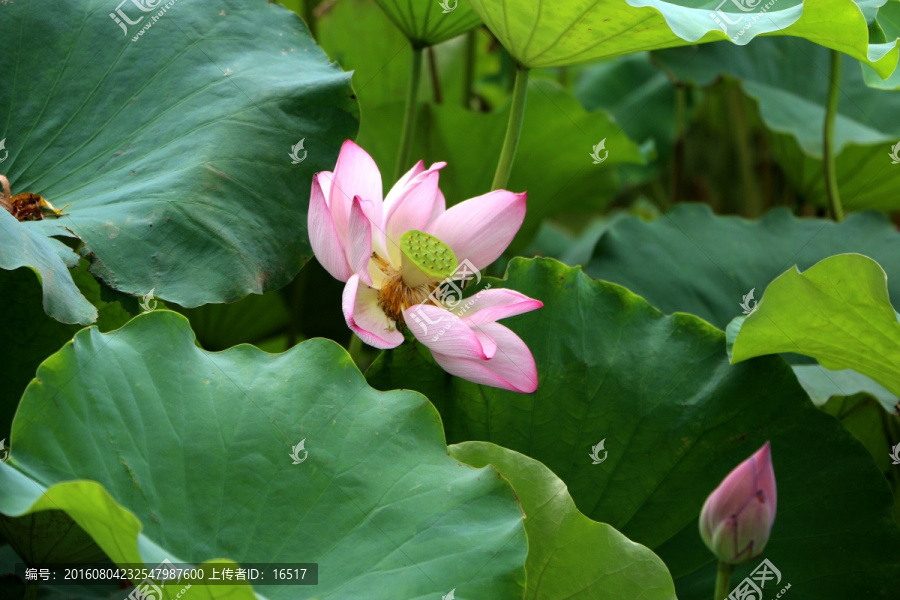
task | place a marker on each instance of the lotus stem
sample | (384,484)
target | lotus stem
(513,129)
(409,120)
(435,79)
(828,158)
(469,70)
(743,142)
(723,580)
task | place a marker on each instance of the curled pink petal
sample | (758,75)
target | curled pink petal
(366,319)
(488,344)
(444,332)
(323,237)
(492,305)
(511,368)
(480,229)
(355,174)
(359,241)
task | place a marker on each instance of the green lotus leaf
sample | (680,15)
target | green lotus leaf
(888,21)
(838,311)
(637,94)
(196,460)
(541,33)
(675,417)
(569,556)
(172,139)
(877,429)
(823,384)
(50,259)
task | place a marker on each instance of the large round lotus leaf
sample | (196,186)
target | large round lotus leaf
(693,261)
(545,33)
(159,449)
(675,418)
(174,149)
(431,22)
(570,557)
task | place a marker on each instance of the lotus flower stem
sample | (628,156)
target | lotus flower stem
(513,129)
(469,70)
(409,120)
(828,158)
(723,580)
(435,79)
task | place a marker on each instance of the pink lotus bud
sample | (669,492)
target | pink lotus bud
(737,517)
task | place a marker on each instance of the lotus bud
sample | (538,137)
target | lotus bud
(737,517)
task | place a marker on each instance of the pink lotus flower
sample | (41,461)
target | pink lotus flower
(402,256)
(737,518)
